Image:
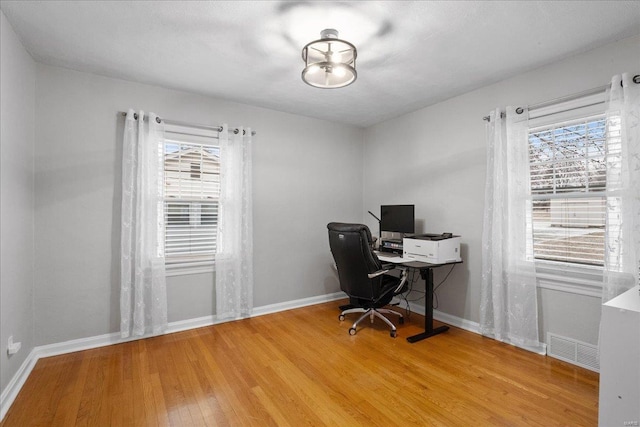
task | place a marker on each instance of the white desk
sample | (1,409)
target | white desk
(384,257)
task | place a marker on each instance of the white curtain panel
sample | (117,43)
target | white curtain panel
(234,255)
(143,294)
(508,306)
(622,235)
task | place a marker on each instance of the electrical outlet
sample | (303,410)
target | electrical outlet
(13,347)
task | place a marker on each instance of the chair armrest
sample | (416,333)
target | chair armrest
(403,280)
(377,273)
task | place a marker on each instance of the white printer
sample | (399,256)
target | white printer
(432,248)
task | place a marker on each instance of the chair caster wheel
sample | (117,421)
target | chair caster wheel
(401,321)
(352,331)
(393,334)
(341,317)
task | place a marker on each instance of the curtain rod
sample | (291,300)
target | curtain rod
(636,80)
(179,123)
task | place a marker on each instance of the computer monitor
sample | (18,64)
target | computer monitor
(397,218)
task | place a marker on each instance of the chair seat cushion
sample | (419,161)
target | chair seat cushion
(389,283)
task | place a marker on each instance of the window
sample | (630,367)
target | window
(568,164)
(191,159)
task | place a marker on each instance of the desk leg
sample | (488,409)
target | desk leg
(429,330)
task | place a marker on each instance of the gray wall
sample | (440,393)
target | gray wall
(307,173)
(17,85)
(438,158)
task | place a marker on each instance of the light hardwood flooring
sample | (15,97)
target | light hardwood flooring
(302,368)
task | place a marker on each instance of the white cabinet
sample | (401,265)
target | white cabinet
(620,361)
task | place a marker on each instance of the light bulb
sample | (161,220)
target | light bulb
(334,56)
(339,71)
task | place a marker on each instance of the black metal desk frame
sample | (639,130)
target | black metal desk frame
(426,272)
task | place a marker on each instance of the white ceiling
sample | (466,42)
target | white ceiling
(411,54)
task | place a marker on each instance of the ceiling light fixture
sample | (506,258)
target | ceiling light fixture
(329,62)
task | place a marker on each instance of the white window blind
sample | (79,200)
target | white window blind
(568,164)
(191,194)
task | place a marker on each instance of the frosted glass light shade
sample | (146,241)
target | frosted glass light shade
(329,62)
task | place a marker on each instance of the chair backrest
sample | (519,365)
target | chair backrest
(352,252)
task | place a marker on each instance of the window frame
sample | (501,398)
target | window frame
(564,193)
(194,136)
(575,278)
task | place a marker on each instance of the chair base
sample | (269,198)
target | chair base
(372,313)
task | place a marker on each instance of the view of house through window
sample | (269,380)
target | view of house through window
(192,189)
(568,164)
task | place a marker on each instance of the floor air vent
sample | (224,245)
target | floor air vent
(573,351)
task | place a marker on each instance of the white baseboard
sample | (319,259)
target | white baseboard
(12,389)
(458,322)
(198,322)
(449,319)
(17,382)
(289,305)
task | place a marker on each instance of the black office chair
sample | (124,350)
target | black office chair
(362,276)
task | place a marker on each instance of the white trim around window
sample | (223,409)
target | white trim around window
(575,278)
(191,193)
(568,277)
(177,270)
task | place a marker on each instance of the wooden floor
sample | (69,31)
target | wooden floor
(301,367)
